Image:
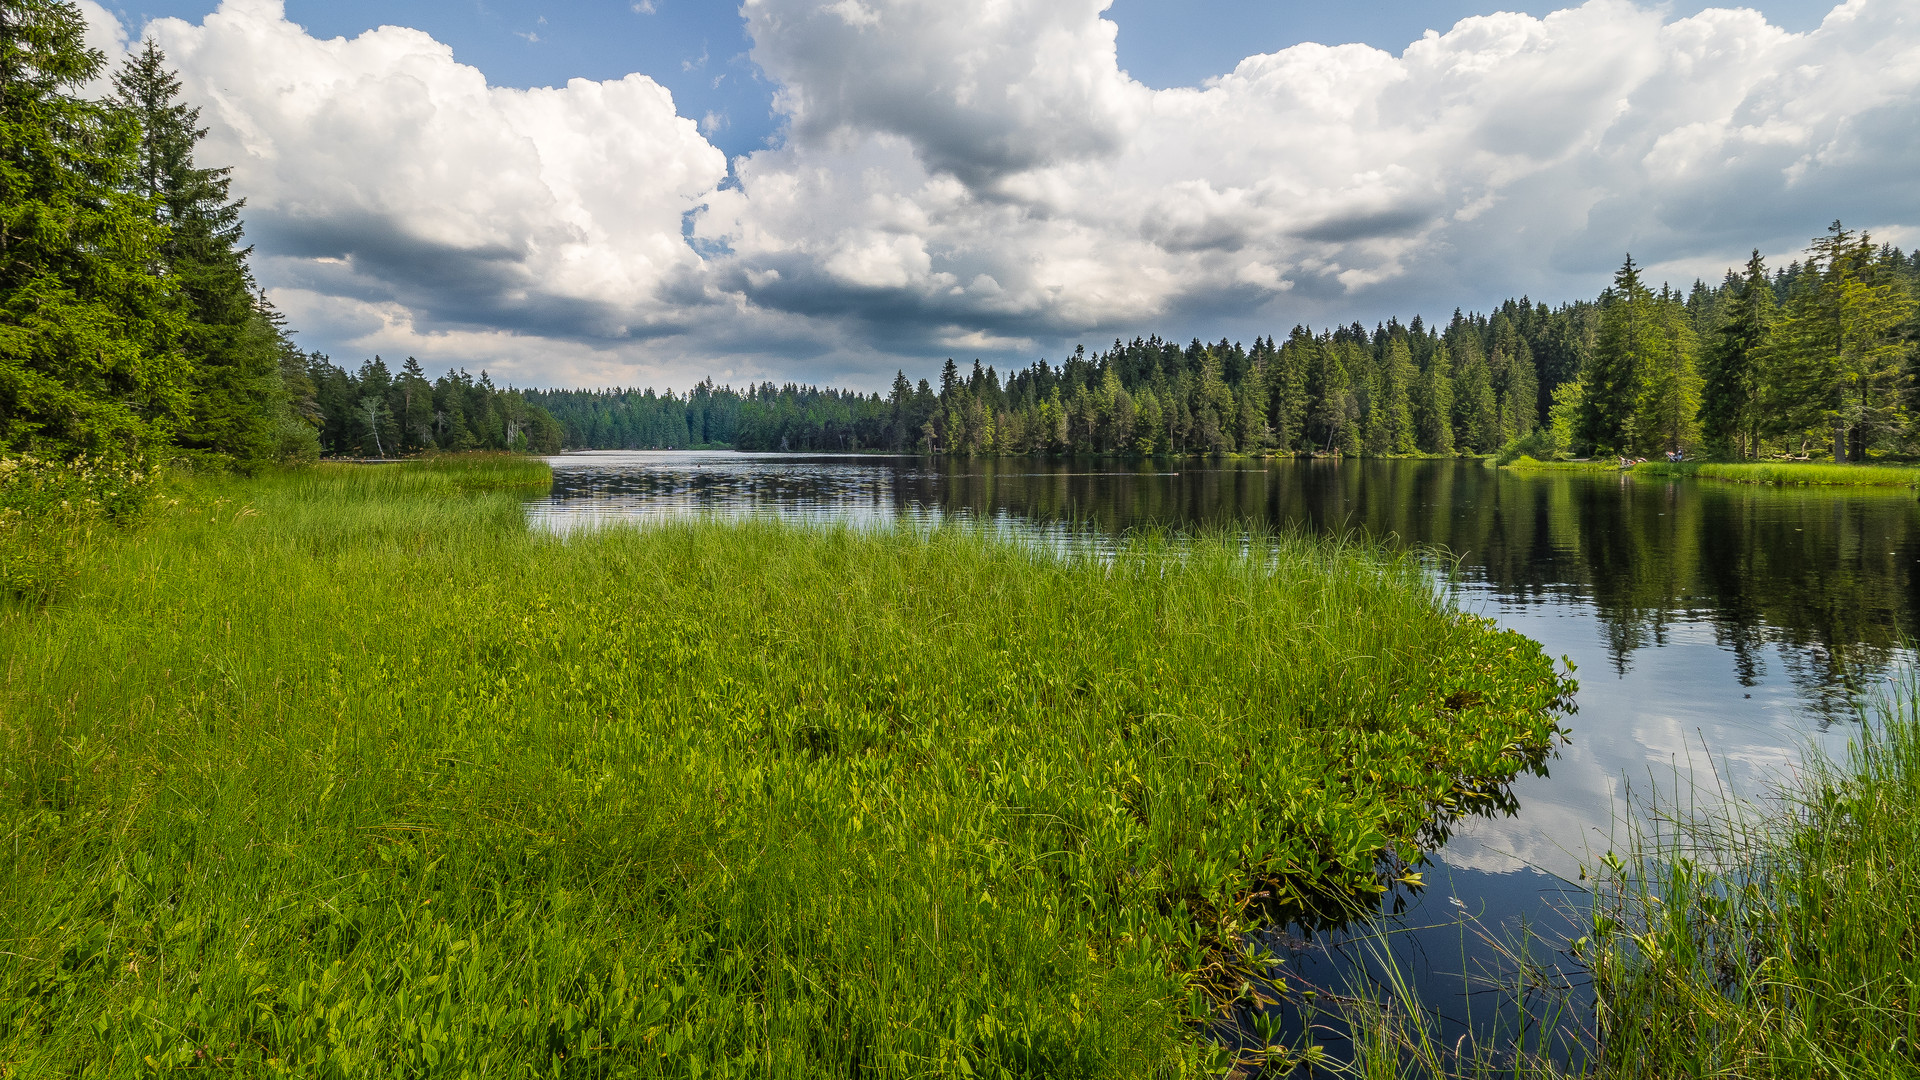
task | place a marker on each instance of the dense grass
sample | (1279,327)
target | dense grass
(348,774)
(1774,942)
(1789,473)
(1527,464)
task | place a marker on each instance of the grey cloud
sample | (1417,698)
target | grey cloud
(1370,225)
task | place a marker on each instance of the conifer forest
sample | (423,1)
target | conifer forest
(1812,358)
(131,326)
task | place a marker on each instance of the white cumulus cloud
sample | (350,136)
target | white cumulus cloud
(939,143)
(380,170)
(983,174)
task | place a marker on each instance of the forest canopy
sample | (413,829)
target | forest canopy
(1816,357)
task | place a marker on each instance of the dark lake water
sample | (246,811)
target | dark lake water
(1718,630)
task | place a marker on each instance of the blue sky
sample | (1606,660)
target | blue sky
(1002,179)
(699,49)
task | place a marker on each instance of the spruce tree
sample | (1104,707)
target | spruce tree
(1287,412)
(1728,408)
(1516,385)
(238,399)
(1838,356)
(415,411)
(1434,404)
(1611,383)
(88,356)
(1397,376)
(1669,398)
(1476,409)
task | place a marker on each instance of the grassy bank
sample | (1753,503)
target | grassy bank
(1778,942)
(346,773)
(1527,464)
(1789,473)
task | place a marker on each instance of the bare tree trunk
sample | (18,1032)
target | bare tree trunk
(1839,443)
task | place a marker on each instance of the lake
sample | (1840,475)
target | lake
(1717,630)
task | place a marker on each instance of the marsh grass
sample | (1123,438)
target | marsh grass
(347,773)
(1528,464)
(1788,473)
(1783,940)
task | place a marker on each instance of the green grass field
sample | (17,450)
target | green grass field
(1789,473)
(348,773)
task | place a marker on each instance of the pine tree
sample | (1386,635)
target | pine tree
(1728,406)
(88,360)
(238,399)
(1611,383)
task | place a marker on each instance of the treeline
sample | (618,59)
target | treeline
(1818,354)
(376,412)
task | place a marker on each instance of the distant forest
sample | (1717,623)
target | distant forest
(1815,358)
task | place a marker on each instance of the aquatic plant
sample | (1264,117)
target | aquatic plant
(346,772)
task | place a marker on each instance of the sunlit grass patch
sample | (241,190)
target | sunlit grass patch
(1527,464)
(349,773)
(1790,473)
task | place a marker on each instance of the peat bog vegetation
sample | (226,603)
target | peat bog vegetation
(347,772)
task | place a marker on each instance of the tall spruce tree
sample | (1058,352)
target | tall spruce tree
(88,356)
(1516,383)
(1669,396)
(238,402)
(1728,410)
(1397,376)
(1838,358)
(1476,409)
(1611,382)
(1433,404)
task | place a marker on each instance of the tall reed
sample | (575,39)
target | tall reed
(1734,940)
